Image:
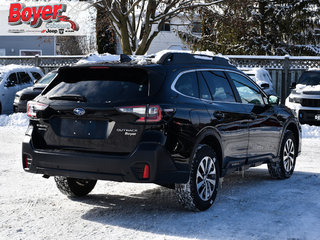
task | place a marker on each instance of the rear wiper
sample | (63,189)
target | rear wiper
(69,97)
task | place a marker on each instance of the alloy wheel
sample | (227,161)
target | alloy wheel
(288,155)
(206,178)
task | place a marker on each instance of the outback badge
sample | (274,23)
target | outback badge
(79,111)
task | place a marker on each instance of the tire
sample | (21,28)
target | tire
(205,170)
(73,187)
(285,167)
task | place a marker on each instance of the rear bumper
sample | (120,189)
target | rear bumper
(128,168)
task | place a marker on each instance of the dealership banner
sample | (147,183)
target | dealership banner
(44,18)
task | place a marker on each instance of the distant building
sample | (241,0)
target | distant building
(27,45)
(168,37)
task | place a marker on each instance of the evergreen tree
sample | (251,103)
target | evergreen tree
(261,27)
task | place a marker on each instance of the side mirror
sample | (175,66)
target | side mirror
(274,100)
(265,85)
(293,85)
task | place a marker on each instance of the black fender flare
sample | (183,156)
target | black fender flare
(284,129)
(202,134)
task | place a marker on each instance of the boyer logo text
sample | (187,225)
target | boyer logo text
(35,16)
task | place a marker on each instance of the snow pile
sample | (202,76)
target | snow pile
(7,68)
(139,59)
(302,87)
(16,120)
(310,131)
(99,58)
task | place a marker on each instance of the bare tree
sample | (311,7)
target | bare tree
(132,20)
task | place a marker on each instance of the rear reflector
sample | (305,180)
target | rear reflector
(27,160)
(146,172)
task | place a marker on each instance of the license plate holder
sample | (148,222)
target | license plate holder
(85,129)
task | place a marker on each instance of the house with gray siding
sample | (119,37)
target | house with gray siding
(27,45)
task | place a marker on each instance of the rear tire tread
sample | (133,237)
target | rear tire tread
(69,186)
(187,195)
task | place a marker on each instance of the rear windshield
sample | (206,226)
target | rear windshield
(310,78)
(101,85)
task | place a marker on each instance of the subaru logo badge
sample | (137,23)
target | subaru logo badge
(79,111)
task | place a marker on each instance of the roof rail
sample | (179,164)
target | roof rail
(185,58)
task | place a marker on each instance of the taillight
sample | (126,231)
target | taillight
(151,113)
(34,107)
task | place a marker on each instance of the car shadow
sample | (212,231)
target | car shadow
(239,198)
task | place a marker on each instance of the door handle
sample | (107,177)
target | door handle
(218,115)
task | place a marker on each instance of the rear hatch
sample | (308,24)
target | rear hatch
(100,109)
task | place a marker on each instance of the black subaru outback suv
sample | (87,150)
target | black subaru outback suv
(180,121)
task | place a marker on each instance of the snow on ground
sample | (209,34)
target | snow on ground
(14,120)
(250,207)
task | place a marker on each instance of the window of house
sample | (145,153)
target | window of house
(30,52)
(165,27)
(196,27)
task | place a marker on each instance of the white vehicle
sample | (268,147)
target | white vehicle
(304,99)
(261,77)
(12,79)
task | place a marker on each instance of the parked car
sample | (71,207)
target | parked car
(179,120)
(12,79)
(304,99)
(262,78)
(29,93)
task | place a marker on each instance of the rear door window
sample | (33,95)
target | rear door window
(219,86)
(101,85)
(187,85)
(24,77)
(203,88)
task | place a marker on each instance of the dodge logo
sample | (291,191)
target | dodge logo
(79,111)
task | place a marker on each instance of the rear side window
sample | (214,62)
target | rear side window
(101,85)
(187,85)
(24,77)
(219,86)
(36,75)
